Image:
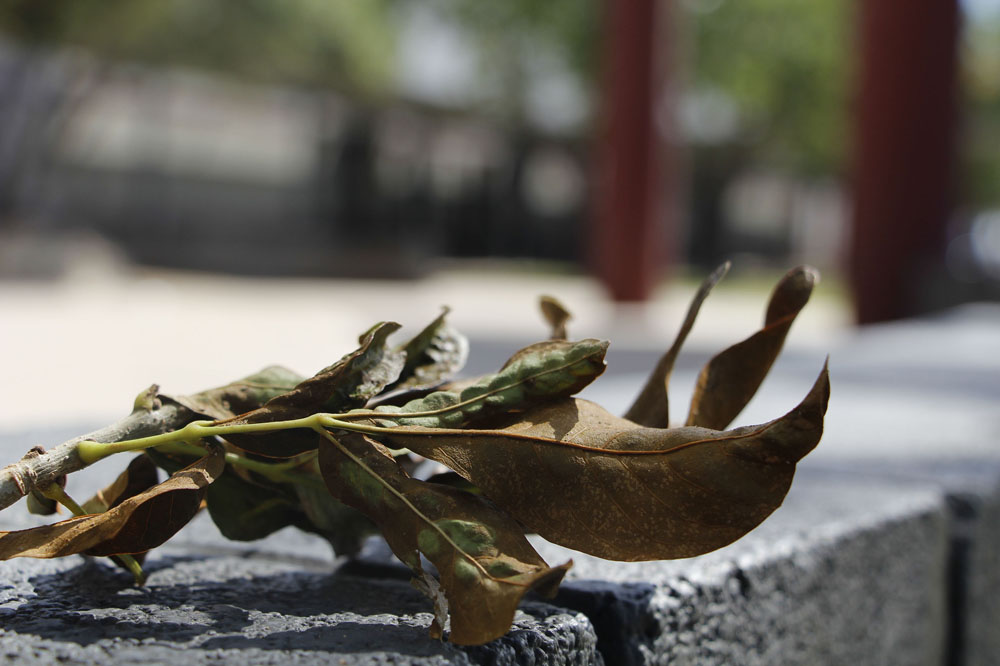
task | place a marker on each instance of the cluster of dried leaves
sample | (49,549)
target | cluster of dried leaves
(526,457)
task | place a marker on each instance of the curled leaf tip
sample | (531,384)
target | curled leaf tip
(791,293)
(728,381)
(652,406)
(556,315)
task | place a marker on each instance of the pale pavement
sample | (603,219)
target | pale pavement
(78,349)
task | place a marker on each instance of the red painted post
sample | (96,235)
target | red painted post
(629,239)
(904,151)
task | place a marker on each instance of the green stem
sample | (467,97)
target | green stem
(279,472)
(57,493)
(91,452)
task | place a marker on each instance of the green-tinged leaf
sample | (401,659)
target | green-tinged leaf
(147,400)
(137,524)
(246,506)
(586,479)
(247,510)
(344,527)
(652,407)
(240,396)
(484,562)
(555,315)
(728,382)
(433,355)
(543,371)
(40,505)
(349,383)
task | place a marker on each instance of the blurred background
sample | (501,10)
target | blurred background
(281,173)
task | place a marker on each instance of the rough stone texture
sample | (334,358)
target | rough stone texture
(885,551)
(982,583)
(843,573)
(202,609)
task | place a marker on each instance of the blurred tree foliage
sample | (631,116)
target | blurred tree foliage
(980,164)
(781,63)
(511,33)
(313,42)
(784,65)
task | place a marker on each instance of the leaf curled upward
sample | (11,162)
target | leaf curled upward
(138,477)
(134,525)
(484,562)
(556,315)
(348,383)
(240,396)
(588,480)
(728,382)
(542,371)
(433,355)
(652,407)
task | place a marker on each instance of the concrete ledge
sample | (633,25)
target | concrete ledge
(843,573)
(248,610)
(886,551)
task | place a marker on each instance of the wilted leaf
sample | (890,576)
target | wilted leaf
(240,396)
(137,524)
(139,476)
(246,510)
(652,406)
(436,353)
(484,562)
(542,371)
(348,383)
(728,382)
(245,506)
(586,479)
(344,527)
(556,316)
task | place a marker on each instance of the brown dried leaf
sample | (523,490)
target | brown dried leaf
(432,356)
(240,396)
(556,315)
(348,383)
(139,476)
(652,407)
(586,479)
(484,562)
(135,525)
(728,382)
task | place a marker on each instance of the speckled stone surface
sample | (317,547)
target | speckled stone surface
(239,609)
(885,551)
(843,573)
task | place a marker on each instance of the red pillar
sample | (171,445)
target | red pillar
(629,239)
(904,149)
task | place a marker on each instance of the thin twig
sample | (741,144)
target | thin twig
(38,471)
